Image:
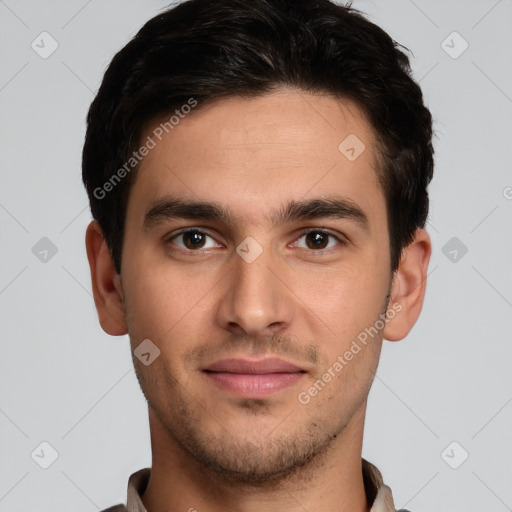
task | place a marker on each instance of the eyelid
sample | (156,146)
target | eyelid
(187,229)
(340,237)
(168,238)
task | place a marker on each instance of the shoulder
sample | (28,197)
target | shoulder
(116,508)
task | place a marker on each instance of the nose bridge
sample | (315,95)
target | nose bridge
(255,300)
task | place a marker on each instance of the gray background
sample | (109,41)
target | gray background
(65,382)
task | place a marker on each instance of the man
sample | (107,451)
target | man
(258,175)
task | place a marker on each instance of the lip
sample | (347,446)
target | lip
(253,378)
(257,367)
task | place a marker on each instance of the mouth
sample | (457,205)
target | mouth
(253,378)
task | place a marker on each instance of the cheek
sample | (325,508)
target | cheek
(350,349)
(164,302)
(347,299)
(153,302)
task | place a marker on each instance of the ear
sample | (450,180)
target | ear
(106,283)
(408,288)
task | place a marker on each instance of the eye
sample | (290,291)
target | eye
(193,240)
(317,239)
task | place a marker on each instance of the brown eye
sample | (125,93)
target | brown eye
(193,240)
(317,240)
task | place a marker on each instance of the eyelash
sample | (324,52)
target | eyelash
(340,239)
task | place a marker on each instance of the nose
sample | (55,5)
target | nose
(256,300)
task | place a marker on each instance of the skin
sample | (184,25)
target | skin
(212,450)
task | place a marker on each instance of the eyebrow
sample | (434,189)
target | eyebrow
(169,208)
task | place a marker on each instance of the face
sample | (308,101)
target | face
(256,252)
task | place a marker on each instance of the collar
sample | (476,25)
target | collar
(377,492)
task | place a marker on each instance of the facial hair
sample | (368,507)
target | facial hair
(245,459)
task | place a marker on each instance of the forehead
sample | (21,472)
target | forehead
(254,153)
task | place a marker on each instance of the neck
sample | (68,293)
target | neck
(331,481)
